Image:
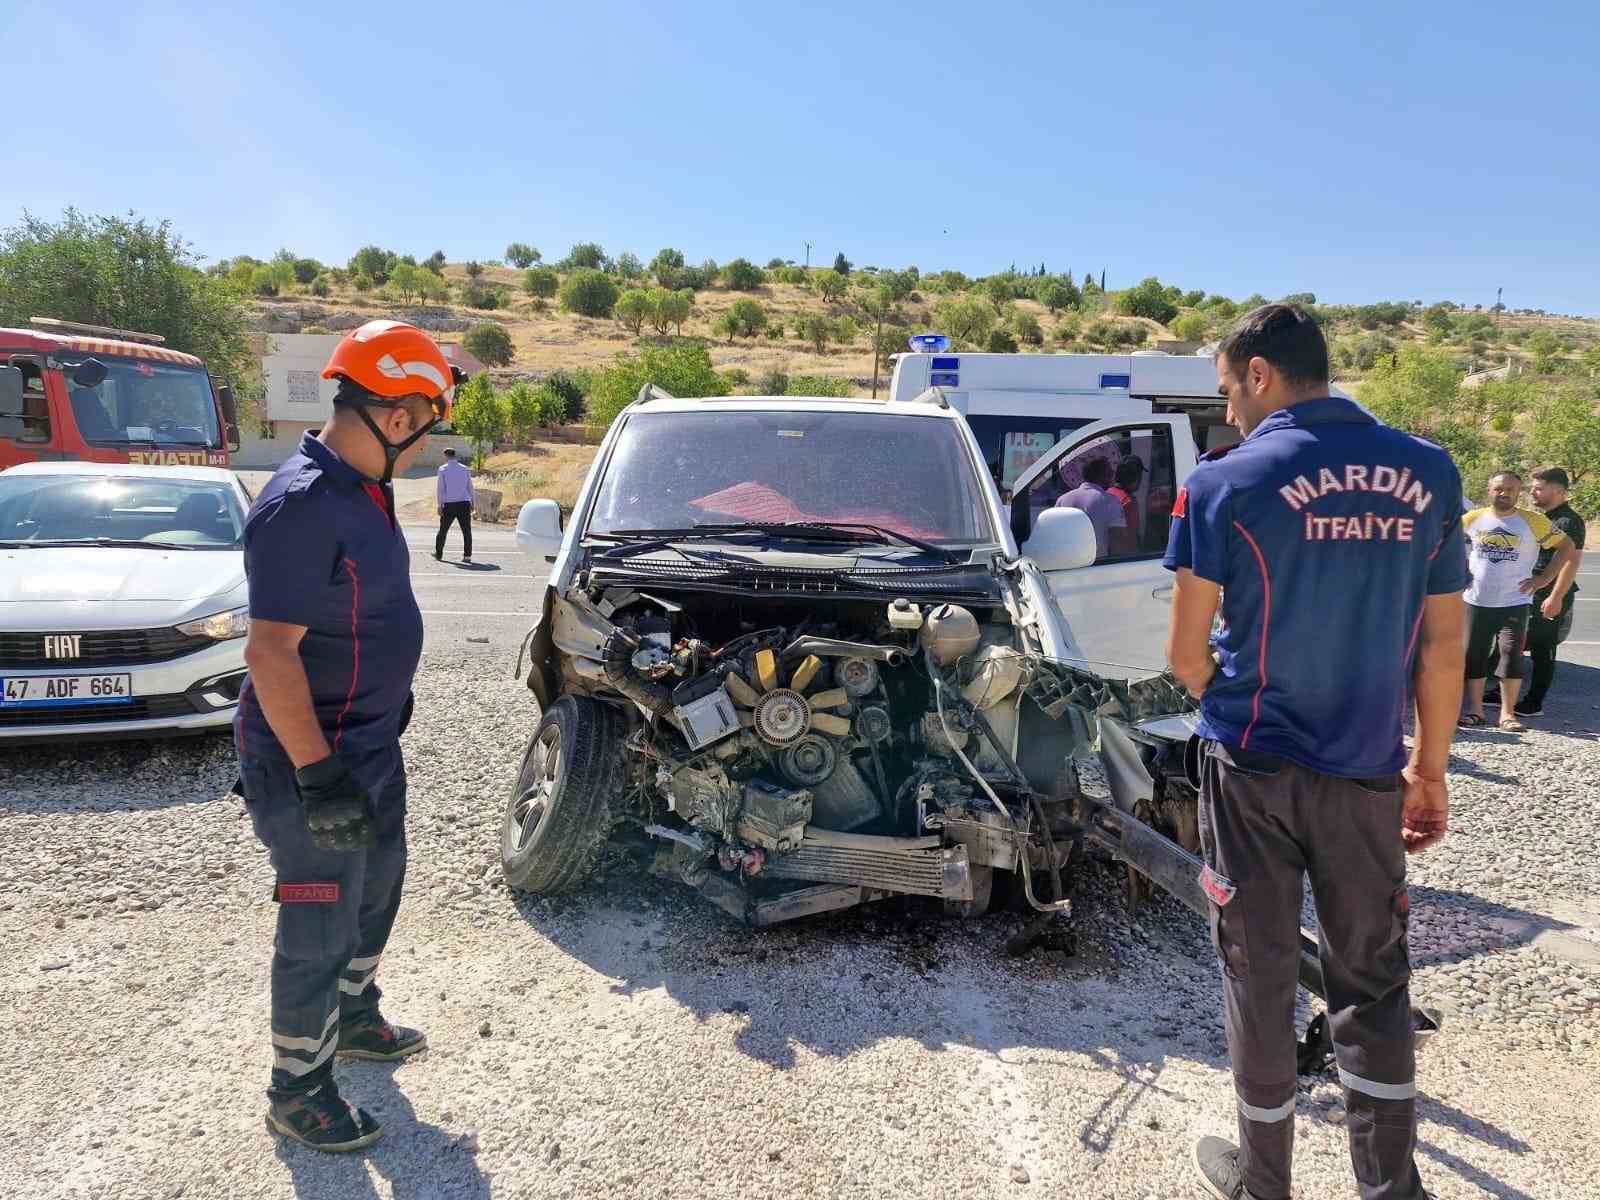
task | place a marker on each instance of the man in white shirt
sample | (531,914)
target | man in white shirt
(453,493)
(1093,496)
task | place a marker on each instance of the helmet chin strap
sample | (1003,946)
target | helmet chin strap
(393,450)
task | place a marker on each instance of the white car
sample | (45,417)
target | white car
(123,606)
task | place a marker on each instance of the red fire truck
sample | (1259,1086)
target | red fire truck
(71,391)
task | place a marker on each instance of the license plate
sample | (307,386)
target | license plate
(49,691)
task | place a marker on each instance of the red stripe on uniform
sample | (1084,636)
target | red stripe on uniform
(1266,621)
(355,638)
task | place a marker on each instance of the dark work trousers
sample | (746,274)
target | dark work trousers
(1494,641)
(1264,823)
(1543,638)
(459,511)
(335,911)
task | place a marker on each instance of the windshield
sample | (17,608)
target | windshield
(51,509)
(912,475)
(142,402)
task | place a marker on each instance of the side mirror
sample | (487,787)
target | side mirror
(1063,540)
(90,373)
(539,529)
(230,415)
(11,388)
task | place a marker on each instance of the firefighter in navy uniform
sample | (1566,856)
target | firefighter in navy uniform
(335,638)
(1333,547)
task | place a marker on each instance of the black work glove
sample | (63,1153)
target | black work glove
(405,712)
(337,812)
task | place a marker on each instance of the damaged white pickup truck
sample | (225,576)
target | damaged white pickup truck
(796,643)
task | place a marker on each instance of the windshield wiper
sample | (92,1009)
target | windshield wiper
(836,531)
(118,543)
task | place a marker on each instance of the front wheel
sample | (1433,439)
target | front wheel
(559,813)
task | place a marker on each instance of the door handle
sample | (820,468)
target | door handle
(1164,592)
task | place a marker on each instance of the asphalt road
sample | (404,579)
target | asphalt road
(479,609)
(1584,644)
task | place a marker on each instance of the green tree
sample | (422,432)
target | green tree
(553,404)
(480,415)
(306,270)
(321,286)
(1147,298)
(521,255)
(845,330)
(569,389)
(374,262)
(523,410)
(1591,362)
(1027,328)
(406,281)
(743,275)
(1566,430)
(966,318)
(628,266)
(1437,320)
(489,342)
(588,292)
(585,256)
(432,287)
(669,309)
(1001,342)
(1189,327)
(1192,299)
(818,385)
(633,309)
(1544,346)
(749,317)
(1416,389)
(434,262)
(816,329)
(474,269)
(541,283)
(878,305)
(841,264)
(667,266)
(830,285)
(1059,294)
(683,369)
(127,273)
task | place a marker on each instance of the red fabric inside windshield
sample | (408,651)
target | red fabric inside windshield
(751,501)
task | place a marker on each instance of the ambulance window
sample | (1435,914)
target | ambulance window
(1011,444)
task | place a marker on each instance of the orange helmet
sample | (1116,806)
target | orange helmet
(391,360)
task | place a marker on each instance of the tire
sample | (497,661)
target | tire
(559,813)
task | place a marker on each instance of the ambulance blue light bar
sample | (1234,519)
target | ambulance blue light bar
(928,343)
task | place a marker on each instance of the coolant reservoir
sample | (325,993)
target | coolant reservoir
(949,633)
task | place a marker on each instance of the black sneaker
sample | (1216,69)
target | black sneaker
(375,1040)
(322,1120)
(1529,708)
(466,558)
(1217,1162)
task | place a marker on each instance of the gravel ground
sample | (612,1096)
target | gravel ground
(631,1042)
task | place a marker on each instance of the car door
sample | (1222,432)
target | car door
(1118,608)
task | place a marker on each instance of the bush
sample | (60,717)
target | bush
(830,285)
(819,385)
(816,329)
(999,289)
(748,317)
(743,276)
(541,282)
(434,262)
(479,414)
(588,292)
(684,369)
(1001,342)
(774,263)
(1026,326)
(1192,299)
(320,286)
(735,377)
(696,279)
(1147,298)
(521,255)
(585,256)
(666,266)
(374,262)
(845,331)
(306,269)
(775,331)
(553,406)
(1189,327)
(477,294)
(1058,294)
(570,390)
(489,342)
(474,269)
(628,266)
(841,264)
(362,282)
(773,383)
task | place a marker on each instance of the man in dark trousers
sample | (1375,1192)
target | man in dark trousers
(1333,545)
(335,638)
(453,495)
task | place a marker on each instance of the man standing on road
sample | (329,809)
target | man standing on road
(453,492)
(335,637)
(1505,542)
(1333,546)
(1550,618)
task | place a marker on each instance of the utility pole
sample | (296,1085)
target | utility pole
(808,256)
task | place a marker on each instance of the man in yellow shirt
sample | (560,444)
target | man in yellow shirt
(1503,544)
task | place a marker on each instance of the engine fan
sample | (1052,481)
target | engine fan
(781,714)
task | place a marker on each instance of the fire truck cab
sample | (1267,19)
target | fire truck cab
(71,392)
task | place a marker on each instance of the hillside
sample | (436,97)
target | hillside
(545,338)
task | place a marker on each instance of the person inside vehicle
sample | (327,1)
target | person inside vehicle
(1093,497)
(1130,474)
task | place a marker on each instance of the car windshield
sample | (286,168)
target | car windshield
(675,470)
(142,401)
(105,509)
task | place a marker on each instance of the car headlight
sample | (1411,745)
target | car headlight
(219,627)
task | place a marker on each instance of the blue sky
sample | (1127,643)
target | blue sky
(1362,151)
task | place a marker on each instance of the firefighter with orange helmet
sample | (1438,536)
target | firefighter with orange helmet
(335,638)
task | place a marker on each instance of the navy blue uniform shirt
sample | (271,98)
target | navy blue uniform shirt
(1327,531)
(322,549)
